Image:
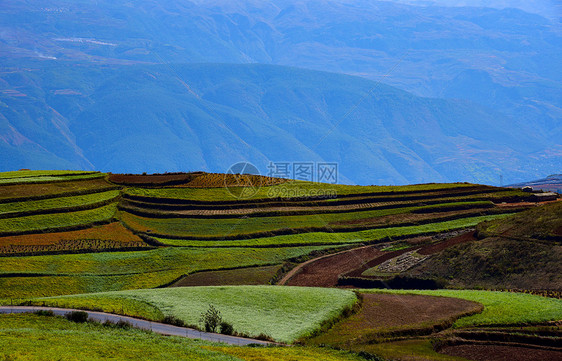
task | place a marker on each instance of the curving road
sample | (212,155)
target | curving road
(157,327)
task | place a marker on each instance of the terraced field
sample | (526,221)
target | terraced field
(107,237)
(77,214)
(395,324)
(108,241)
(63,274)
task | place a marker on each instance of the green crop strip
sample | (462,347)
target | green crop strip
(43,173)
(61,202)
(291,189)
(44,222)
(201,227)
(338,238)
(47,179)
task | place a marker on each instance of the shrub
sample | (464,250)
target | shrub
(123,324)
(174,321)
(44,313)
(226,328)
(211,319)
(77,316)
(264,337)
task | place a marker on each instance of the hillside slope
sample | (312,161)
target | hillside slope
(522,251)
(502,59)
(186,117)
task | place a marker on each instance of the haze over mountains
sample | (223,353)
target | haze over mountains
(175,85)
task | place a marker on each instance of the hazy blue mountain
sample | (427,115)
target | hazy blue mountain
(551,9)
(135,118)
(500,69)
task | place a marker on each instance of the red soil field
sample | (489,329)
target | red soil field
(214,180)
(385,256)
(241,276)
(324,271)
(382,315)
(152,179)
(194,180)
(435,248)
(501,353)
(113,232)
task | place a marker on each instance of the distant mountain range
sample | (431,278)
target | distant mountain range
(152,86)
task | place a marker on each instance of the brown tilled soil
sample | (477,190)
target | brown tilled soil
(383,257)
(434,248)
(113,231)
(55,188)
(501,353)
(242,276)
(108,236)
(525,204)
(195,180)
(151,179)
(403,217)
(324,272)
(383,313)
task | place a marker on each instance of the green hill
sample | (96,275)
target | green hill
(522,252)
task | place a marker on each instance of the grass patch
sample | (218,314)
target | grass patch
(43,222)
(25,337)
(287,353)
(500,308)
(284,313)
(338,238)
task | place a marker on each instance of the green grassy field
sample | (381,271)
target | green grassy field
(324,238)
(32,337)
(284,313)
(111,271)
(61,202)
(500,308)
(49,178)
(43,222)
(540,223)
(43,173)
(290,189)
